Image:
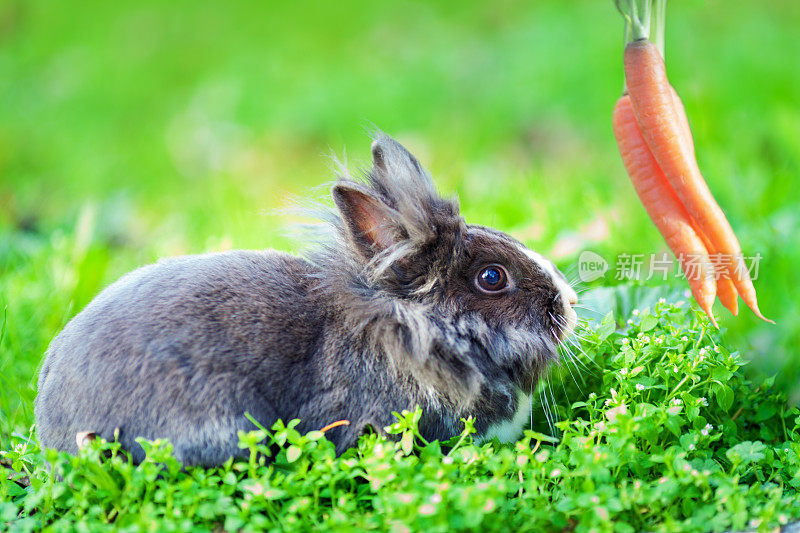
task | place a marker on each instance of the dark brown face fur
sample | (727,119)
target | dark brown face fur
(530,292)
(530,306)
(445,273)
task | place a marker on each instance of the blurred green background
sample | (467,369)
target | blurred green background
(131,131)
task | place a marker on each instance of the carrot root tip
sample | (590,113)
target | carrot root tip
(757,312)
(731,306)
(708,311)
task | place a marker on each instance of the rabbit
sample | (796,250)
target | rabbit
(405,305)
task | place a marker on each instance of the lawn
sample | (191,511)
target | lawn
(131,131)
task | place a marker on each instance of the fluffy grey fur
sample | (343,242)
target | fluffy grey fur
(385,317)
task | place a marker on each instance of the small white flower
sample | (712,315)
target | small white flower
(702,401)
(659,340)
(447,460)
(555,473)
(542,456)
(630,322)
(704,432)
(677,401)
(626,341)
(716,349)
(695,473)
(635,312)
(639,335)
(623,372)
(709,427)
(427,509)
(691,447)
(639,386)
(593,396)
(675,369)
(646,339)
(684,338)
(595,499)
(608,402)
(662,301)
(703,351)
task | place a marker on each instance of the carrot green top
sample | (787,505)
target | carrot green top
(644,19)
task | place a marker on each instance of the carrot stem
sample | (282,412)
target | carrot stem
(658,24)
(637,14)
(643,20)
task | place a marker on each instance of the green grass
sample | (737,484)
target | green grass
(676,438)
(131,131)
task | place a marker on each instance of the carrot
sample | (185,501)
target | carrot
(725,288)
(726,291)
(680,112)
(655,110)
(663,205)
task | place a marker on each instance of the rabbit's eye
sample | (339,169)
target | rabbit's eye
(492,278)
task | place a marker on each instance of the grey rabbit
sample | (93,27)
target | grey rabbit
(405,305)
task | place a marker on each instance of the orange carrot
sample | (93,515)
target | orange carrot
(728,295)
(680,112)
(655,111)
(725,288)
(726,291)
(662,204)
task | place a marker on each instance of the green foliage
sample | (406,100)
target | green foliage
(116,149)
(140,129)
(670,434)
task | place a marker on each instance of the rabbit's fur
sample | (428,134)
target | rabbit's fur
(386,316)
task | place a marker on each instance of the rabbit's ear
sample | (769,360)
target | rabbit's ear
(399,179)
(390,159)
(370,223)
(397,176)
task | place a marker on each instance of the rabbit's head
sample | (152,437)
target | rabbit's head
(466,309)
